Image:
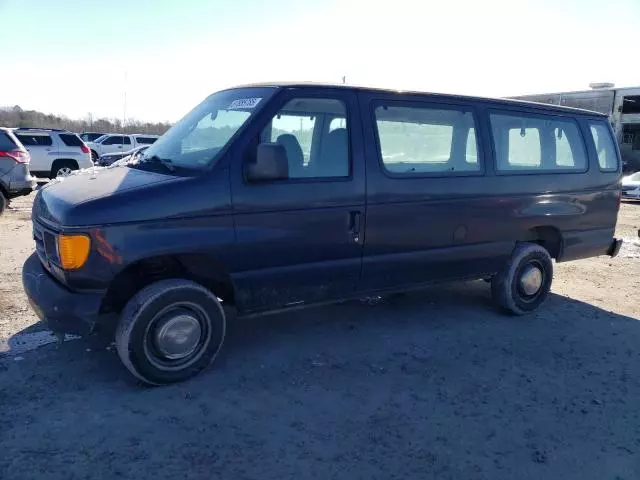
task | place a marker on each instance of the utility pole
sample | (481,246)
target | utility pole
(124,108)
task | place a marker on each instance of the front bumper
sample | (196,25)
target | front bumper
(61,309)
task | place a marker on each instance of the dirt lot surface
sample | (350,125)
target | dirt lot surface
(435,384)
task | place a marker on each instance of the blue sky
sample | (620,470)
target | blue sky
(70,57)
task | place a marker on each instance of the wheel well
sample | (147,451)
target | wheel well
(199,268)
(549,238)
(58,161)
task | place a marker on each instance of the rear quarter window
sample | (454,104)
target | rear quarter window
(529,143)
(605,148)
(71,140)
(6,143)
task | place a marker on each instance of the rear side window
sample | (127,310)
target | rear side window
(424,140)
(33,140)
(71,140)
(6,143)
(146,140)
(117,140)
(607,157)
(90,137)
(537,143)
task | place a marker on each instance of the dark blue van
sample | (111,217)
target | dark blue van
(277,196)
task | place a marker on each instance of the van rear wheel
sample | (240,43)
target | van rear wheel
(525,281)
(169,331)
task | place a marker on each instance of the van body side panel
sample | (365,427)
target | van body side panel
(430,228)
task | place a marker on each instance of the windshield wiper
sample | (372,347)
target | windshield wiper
(156,159)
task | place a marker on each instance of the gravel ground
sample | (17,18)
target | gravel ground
(435,384)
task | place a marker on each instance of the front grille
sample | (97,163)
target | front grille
(39,238)
(45,244)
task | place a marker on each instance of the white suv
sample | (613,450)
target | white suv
(115,142)
(53,152)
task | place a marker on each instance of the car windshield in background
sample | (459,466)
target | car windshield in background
(195,141)
(99,139)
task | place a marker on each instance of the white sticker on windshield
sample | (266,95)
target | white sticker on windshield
(242,103)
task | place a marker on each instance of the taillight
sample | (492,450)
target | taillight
(84,148)
(18,155)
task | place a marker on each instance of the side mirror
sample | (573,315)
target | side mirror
(271,164)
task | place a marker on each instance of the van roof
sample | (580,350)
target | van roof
(497,101)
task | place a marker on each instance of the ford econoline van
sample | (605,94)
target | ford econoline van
(276,196)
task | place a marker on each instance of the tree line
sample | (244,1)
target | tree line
(17,117)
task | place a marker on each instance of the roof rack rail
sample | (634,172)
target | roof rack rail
(42,129)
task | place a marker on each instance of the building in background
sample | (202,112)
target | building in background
(621,104)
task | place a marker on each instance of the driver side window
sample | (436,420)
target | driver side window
(316,146)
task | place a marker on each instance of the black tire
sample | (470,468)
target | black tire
(94,156)
(507,286)
(3,202)
(152,308)
(62,167)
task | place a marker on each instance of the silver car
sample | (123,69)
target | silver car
(15,179)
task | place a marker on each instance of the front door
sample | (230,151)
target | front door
(300,240)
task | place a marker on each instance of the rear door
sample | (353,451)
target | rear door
(41,148)
(300,240)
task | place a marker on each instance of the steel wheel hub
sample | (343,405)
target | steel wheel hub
(178,336)
(63,172)
(531,280)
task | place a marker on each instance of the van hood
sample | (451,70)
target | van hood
(88,197)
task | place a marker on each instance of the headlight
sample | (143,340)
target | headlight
(73,251)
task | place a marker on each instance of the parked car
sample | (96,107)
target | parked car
(54,152)
(15,179)
(112,143)
(108,158)
(258,201)
(90,136)
(631,186)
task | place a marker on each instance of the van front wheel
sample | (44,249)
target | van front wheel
(169,331)
(525,281)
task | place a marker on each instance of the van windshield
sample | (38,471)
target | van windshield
(195,141)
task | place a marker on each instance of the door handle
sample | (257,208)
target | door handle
(354,226)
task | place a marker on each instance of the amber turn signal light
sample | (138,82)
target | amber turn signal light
(73,251)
